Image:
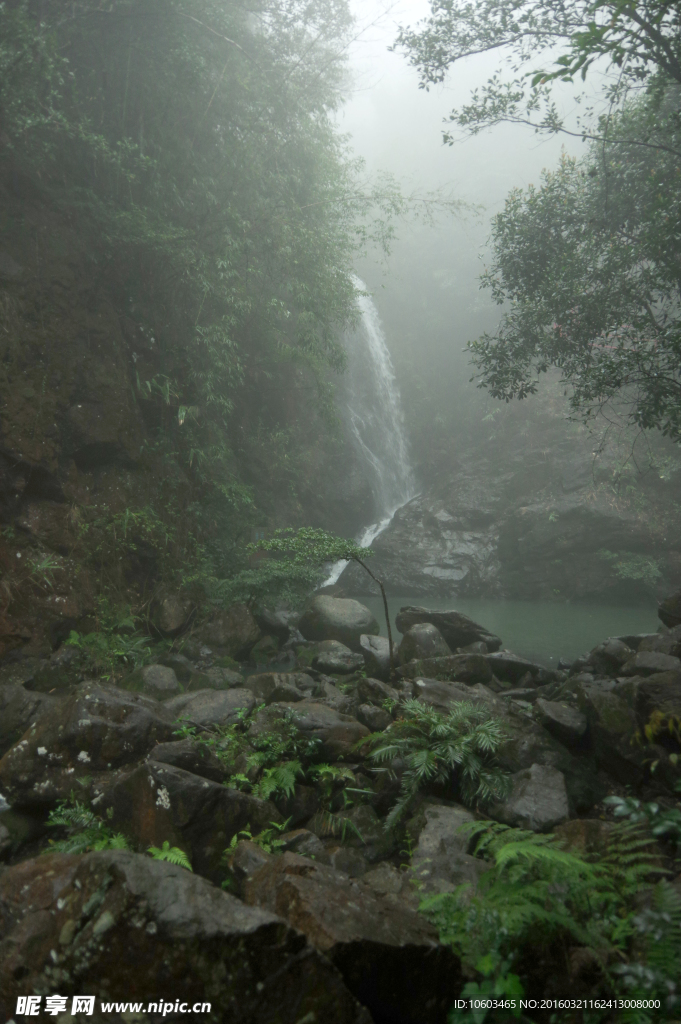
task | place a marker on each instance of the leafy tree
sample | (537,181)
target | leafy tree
(635,38)
(588,266)
(193,143)
(303,556)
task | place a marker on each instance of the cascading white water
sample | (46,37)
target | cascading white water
(374,416)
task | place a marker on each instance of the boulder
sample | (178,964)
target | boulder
(440,861)
(336,618)
(512,669)
(389,955)
(170,614)
(19,708)
(271,687)
(460,668)
(158,802)
(375,719)
(98,729)
(191,756)
(457,629)
(181,666)
(656,695)
(374,691)
(526,742)
(612,729)
(277,623)
(665,643)
(157,681)
(335,657)
(648,663)
(61,672)
(607,658)
(566,723)
(422,640)
(376,653)
(538,799)
(266,648)
(216,678)
(360,828)
(121,926)
(669,610)
(338,733)
(234,631)
(208,708)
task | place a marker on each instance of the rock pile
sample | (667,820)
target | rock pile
(321,921)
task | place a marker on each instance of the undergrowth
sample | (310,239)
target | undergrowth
(434,747)
(537,904)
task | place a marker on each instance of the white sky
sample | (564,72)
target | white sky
(396,126)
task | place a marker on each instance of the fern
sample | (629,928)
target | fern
(171,854)
(537,894)
(280,779)
(439,748)
(87,831)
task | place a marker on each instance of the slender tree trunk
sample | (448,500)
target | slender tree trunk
(385,609)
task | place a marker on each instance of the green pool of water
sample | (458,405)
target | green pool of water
(539,630)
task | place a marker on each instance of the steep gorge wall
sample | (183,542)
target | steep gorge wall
(80,436)
(529,511)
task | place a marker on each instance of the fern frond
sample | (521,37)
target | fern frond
(171,854)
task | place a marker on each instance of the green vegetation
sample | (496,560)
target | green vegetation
(586,264)
(537,902)
(629,565)
(85,829)
(171,854)
(433,747)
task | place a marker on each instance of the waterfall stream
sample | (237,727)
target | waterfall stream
(373,413)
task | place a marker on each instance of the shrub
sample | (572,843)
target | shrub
(442,748)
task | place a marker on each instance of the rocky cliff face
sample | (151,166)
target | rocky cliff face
(527,527)
(87,433)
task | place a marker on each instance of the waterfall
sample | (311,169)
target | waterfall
(373,413)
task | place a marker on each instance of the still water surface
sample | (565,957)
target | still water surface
(539,630)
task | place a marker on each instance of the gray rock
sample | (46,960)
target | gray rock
(375,719)
(270,687)
(158,802)
(566,723)
(96,730)
(160,682)
(389,955)
(461,668)
(10,270)
(376,652)
(538,800)
(518,671)
(305,844)
(170,614)
(20,708)
(192,757)
(151,920)
(335,618)
(223,678)
(440,861)
(422,640)
(647,663)
(234,631)
(333,656)
(457,629)
(607,658)
(374,691)
(669,610)
(338,733)
(207,708)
